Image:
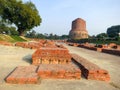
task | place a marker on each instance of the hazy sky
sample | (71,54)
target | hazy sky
(57,15)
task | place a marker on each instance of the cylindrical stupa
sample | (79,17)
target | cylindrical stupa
(78,30)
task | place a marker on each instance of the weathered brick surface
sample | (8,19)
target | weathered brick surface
(21,44)
(90,70)
(101,46)
(51,56)
(78,30)
(23,75)
(118,47)
(6,43)
(59,71)
(111,51)
(90,47)
(112,45)
(31,45)
(36,44)
(73,44)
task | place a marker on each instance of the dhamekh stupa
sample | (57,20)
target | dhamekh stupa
(78,30)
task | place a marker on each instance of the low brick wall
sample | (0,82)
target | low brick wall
(23,75)
(90,70)
(59,71)
(73,44)
(88,47)
(36,44)
(31,45)
(21,44)
(51,56)
(6,43)
(111,51)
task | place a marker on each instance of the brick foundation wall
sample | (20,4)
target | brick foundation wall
(51,56)
(59,71)
(90,70)
(23,75)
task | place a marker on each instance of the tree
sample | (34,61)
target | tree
(64,36)
(101,35)
(114,31)
(12,31)
(24,15)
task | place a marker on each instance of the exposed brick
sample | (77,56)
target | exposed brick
(45,55)
(23,75)
(111,51)
(90,70)
(59,71)
(112,45)
(6,43)
(73,44)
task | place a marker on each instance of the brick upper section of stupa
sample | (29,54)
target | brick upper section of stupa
(78,30)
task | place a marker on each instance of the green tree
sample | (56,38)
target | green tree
(24,15)
(64,36)
(101,35)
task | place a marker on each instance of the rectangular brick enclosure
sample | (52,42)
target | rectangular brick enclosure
(23,75)
(57,55)
(59,71)
(90,70)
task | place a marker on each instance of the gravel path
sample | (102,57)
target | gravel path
(11,57)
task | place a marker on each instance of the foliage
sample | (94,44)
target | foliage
(114,31)
(97,40)
(6,29)
(10,30)
(34,34)
(24,15)
(101,35)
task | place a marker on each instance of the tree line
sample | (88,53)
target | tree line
(34,34)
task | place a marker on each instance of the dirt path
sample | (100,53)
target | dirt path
(11,57)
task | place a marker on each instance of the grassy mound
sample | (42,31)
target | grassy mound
(4,37)
(18,38)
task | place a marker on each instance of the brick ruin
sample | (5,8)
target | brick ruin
(51,56)
(90,70)
(23,75)
(6,43)
(111,48)
(51,61)
(59,71)
(55,63)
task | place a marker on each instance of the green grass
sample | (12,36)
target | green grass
(0,38)
(5,37)
(18,39)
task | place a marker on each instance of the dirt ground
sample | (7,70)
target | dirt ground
(11,57)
